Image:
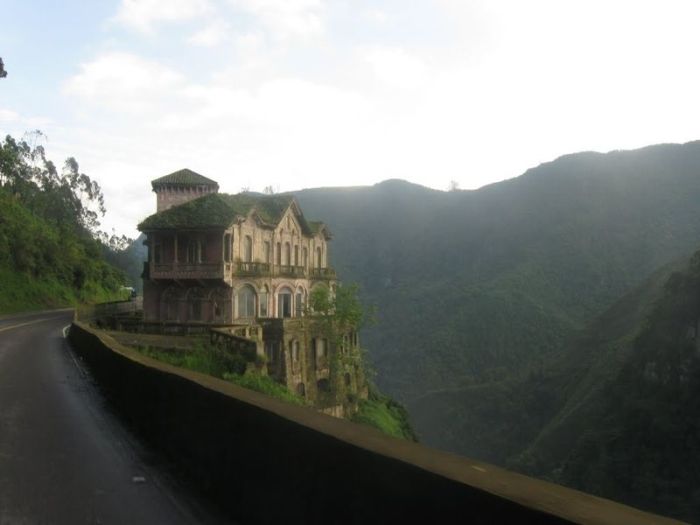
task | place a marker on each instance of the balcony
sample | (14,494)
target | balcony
(323,273)
(291,271)
(190,271)
(253,269)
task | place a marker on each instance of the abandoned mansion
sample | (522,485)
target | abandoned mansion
(245,265)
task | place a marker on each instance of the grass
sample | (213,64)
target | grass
(21,293)
(212,361)
(266,385)
(386,415)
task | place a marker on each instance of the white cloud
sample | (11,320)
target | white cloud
(7,115)
(396,67)
(287,19)
(375,15)
(142,15)
(212,35)
(123,82)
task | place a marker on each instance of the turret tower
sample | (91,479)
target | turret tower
(180,187)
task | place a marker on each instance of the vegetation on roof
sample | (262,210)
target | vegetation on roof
(182,177)
(219,210)
(269,208)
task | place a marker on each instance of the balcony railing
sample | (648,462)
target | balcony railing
(323,273)
(253,268)
(291,271)
(189,270)
(225,271)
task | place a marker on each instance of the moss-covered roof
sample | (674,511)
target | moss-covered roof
(318,226)
(184,177)
(218,210)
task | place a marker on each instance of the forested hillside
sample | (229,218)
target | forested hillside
(627,426)
(478,291)
(49,252)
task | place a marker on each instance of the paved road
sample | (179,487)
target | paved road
(64,458)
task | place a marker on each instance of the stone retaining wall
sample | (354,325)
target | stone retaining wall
(265,461)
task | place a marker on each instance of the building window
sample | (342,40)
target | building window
(295,351)
(267,251)
(196,309)
(305,257)
(301,389)
(287,254)
(263,299)
(246,302)
(284,303)
(319,257)
(279,254)
(296,256)
(299,304)
(194,252)
(171,310)
(227,247)
(271,351)
(157,254)
(248,249)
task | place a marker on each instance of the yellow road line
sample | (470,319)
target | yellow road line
(25,324)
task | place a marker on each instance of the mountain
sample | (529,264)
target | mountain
(627,425)
(480,291)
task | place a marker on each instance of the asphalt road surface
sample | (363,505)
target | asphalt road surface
(64,457)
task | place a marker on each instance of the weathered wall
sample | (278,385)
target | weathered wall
(269,462)
(170,196)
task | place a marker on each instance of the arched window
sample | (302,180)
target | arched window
(264,300)
(318,355)
(284,303)
(195,298)
(287,254)
(319,257)
(304,257)
(171,304)
(248,249)
(220,301)
(296,256)
(268,258)
(279,254)
(323,385)
(246,302)
(301,389)
(299,303)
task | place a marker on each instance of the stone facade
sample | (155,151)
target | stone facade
(181,187)
(246,264)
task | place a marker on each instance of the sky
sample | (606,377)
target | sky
(306,93)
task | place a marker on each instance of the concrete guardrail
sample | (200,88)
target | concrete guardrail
(265,461)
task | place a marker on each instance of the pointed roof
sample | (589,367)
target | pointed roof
(220,210)
(318,226)
(184,177)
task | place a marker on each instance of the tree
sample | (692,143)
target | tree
(269,190)
(340,309)
(67,199)
(3,73)
(453,186)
